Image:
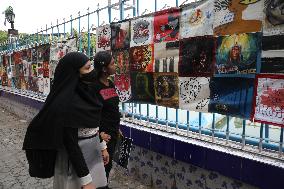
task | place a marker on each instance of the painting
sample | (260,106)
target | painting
(273,23)
(269,99)
(194,93)
(141,58)
(121,61)
(43,52)
(166,25)
(142,87)
(238,54)
(103,38)
(197,57)
(120,35)
(236,16)
(196,19)
(231,96)
(123,87)
(166,89)
(166,55)
(141,31)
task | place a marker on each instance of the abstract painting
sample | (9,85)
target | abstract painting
(273,23)
(103,38)
(166,89)
(166,25)
(238,54)
(141,31)
(197,56)
(194,93)
(269,100)
(43,53)
(235,16)
(141,58)
(121,61)
(166,55)
(196,19)
(142,87)
(231,96)
(120,35)
(123,87)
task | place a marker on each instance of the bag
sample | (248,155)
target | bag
(41,162)
(122,151)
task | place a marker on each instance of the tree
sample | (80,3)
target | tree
(3,36)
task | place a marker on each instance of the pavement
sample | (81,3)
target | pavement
(14,167)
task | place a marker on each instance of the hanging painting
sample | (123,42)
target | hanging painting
(141,58)
(273,23)
(238,54)
(269,100)
(120,35)
(166,89)
(231,96)
(43,53)
(237,16)
(166,56)
(194,93)
(142,87)
(197,19)
(197,56)
(103,38)
(123,87)
(141,31)
(121,61)
(166,25)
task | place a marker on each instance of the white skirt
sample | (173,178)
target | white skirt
(65,176)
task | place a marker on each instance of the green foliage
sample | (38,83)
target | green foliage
(3,36)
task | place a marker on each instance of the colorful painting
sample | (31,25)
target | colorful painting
(197,56)
(194,93)
(46,86)
(166,89)
(33,84)
(141,58)
(123,87)
(238,54)
(166,25)
(236,16)
(120,35)
(231,96)
(141,31)
(197,19)
(121,61)
(269,100)
(273,23)
(103,38)
(43,53)
(166,55)
(272,60)
(142,87)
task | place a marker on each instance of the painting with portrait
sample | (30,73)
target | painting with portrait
(120,35)
(142,87)
(166,89)
(166,25)
(238,54)
(197,56)
(141,58)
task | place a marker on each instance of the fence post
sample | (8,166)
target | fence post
(244,134)
(89,40)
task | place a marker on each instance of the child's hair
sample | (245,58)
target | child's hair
(101,59)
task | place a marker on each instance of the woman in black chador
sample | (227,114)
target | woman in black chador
(62,140)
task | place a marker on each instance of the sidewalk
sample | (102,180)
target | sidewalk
(14,167)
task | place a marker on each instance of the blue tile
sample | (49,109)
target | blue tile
(162,145)
(140,138)
(223,163)
(125,130)
(190,153)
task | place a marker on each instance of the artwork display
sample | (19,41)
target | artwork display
(123,87)
(141,58)
(103,38)
(120,35)
(121,61)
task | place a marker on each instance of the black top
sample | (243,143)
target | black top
(110,115)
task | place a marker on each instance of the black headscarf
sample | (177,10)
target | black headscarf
(70,103)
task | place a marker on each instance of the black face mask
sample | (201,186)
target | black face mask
(89,77)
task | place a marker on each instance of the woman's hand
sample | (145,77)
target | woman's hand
(105,136)
(89,186)
(105,155)
(120,133)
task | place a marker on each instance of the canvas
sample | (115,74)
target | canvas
(121,61)
(141,58)
(123,87)
(120,35)
(103,38)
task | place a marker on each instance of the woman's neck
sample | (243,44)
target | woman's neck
(104,79)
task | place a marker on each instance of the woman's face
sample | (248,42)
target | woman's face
(110,69)
(87,68)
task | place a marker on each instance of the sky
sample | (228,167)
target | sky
(32,15)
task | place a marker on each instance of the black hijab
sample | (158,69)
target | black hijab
(70,103)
